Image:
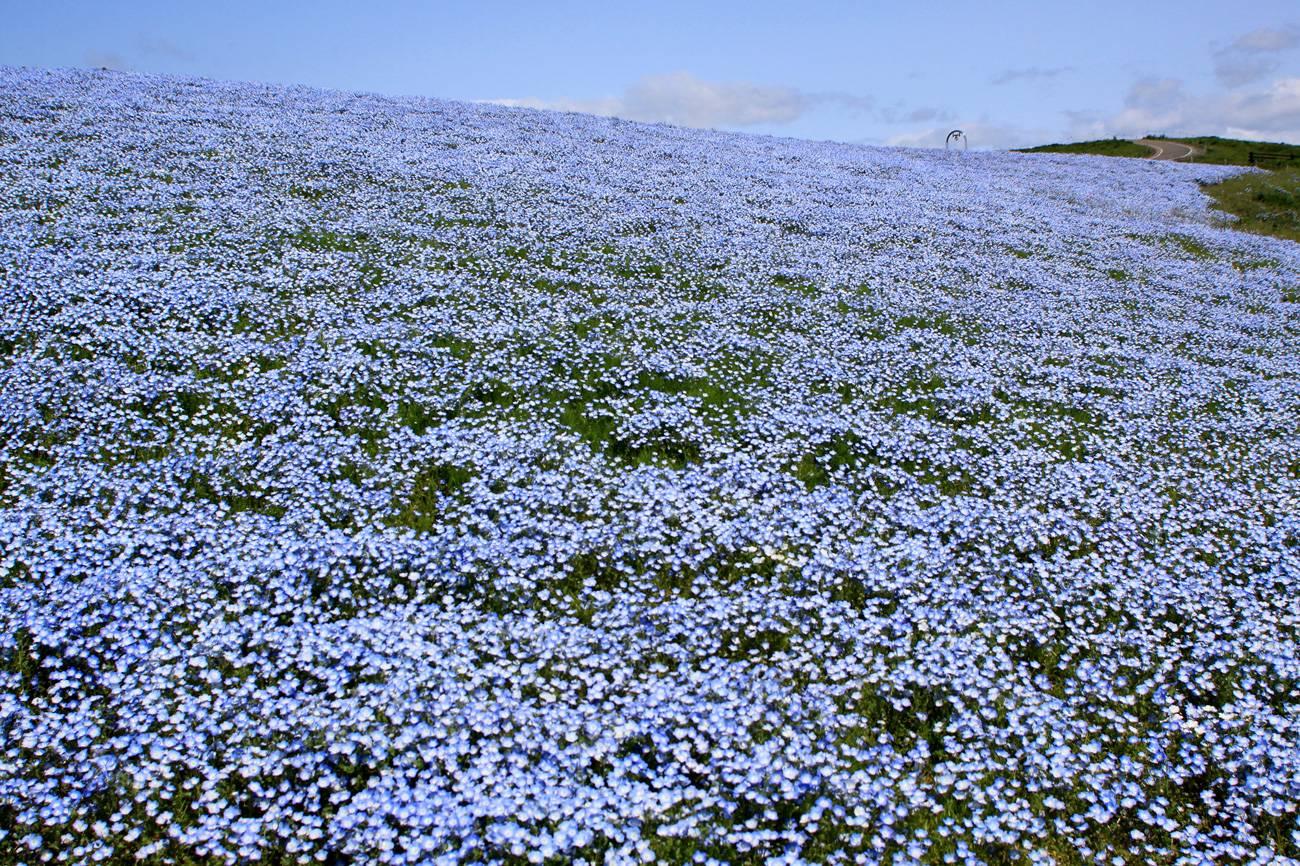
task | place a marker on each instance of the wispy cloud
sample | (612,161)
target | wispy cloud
(1031,73)
(897,113)
(145,51)
(682,98)
(1254,55)
(161,47)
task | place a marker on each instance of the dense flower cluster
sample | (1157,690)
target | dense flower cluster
(400,481)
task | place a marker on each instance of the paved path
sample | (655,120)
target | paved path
(1170,150)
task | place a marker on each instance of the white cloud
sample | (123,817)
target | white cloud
(1253,55)
(1163,106)
(683,99)
(608,107)
(1154,94)
(1152,106)
(1274,112)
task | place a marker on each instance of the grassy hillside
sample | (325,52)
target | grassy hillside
(1217,151)
(1234,151)
(1266,203)
(1100,147)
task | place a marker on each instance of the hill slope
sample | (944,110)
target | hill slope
(1099,147)
(1213,150)
(1236,151)
(394,480)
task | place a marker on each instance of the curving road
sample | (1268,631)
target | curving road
(1170,150)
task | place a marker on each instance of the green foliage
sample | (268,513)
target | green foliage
(795,283)
(433,485)
(234,500)
(310,193)
(818,467)
(909,714)
(585,410)
(325,240)
(1195,248)
(707,390)
(24,660)
(749,644)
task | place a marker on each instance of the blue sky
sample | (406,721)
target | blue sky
(1009,73)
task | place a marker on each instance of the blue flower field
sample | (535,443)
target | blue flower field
(401,481)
